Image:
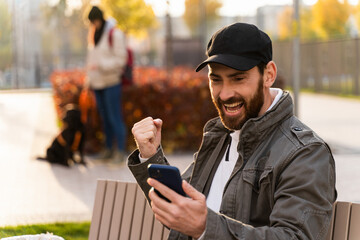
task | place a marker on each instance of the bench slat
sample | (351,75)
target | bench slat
(107,210)
(166,233)
(354,228)
(118,210)
(97,210)
(157,230)
(147,227)
(128,212)
(341,224)
(138,216)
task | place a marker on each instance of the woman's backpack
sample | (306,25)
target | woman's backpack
(127,76)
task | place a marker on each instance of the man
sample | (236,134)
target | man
(260,173)
(105,62)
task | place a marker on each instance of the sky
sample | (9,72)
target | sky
(230,7)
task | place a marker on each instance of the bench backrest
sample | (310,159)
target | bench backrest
(121,212)
(345,223)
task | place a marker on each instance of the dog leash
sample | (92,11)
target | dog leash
(76,141)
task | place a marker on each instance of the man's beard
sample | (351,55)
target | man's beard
(252,108)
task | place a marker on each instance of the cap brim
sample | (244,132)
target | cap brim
(236,62)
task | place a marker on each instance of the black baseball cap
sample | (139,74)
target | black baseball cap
(240,46)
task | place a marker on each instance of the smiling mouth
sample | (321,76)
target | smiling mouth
(233,107)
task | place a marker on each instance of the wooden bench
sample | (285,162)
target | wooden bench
(121,212)
(345,224)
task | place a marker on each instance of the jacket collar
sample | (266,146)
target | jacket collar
(256,129)
(283,109)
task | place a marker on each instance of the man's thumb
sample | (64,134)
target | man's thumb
(158,123)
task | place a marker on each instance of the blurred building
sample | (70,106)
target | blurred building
(26,43)
(267,18)
(187,49)
(35,55)
(43,40)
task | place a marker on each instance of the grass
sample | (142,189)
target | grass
(68,231)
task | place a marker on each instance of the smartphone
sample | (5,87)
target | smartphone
(167,175)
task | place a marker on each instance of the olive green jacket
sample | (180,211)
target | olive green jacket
(282,186)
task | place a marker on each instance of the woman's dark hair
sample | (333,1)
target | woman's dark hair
(95,14)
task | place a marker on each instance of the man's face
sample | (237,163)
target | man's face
(237,95)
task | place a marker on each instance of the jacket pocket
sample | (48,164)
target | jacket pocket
(260,197)
(257,178)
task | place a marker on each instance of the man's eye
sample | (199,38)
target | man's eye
(216,80)
(239,79)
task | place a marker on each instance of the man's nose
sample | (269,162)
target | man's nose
(227,91)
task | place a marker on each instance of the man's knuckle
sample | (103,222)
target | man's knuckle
(174,214)
(172,220)
(182,204)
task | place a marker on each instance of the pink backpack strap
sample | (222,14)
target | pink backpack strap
(110,36)
(130,61)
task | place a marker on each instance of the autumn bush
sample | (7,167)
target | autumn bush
(181,99)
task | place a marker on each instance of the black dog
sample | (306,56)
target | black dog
(69,141)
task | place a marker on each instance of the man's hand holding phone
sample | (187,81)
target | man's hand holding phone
(184,214)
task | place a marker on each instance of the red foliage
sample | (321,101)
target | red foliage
(67,87)
(182,99)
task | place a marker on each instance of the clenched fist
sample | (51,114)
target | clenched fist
(147,134)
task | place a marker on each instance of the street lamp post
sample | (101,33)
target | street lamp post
(296,57)
(14,43)
(168,42)
(202,22)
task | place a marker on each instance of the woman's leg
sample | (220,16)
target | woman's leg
(104,110)
(115,116)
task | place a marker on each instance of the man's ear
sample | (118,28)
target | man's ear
(270,74)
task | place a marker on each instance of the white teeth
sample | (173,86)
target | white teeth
(232,104)
(233,107)
(230,111)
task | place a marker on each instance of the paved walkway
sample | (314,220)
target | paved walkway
(34,191)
